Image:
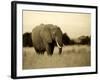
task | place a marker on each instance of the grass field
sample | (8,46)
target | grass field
(72,56)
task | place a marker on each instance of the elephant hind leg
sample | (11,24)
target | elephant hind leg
(37,51)
(43,51)
(40,51)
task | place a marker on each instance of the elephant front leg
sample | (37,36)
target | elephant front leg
(49,50)
(60,50)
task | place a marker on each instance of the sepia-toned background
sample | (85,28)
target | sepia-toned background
(76,25)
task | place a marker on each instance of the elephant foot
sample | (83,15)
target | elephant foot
(60,51)
(42,53)
(50,54)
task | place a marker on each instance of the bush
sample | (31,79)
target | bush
(27,40)
(66,40)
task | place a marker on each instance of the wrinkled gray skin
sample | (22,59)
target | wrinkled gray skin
(44,38)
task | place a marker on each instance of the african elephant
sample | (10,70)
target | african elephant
(44,37)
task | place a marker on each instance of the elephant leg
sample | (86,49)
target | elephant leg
(49,49)
(60,50)
(37,51)
(42,52)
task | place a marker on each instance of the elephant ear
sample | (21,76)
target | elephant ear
(46,35)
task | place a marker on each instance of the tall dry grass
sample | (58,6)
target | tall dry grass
(72,56)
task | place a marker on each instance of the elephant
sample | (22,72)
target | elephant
(44,37)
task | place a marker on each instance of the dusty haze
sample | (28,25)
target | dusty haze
(75,24)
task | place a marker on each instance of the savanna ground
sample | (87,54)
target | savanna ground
(72,56)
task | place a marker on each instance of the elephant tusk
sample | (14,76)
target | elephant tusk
(58,45)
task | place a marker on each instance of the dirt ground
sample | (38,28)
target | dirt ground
(72,56)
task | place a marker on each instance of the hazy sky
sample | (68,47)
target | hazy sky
(74,24)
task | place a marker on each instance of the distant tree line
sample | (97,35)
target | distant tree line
(82,40)
(27,41)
